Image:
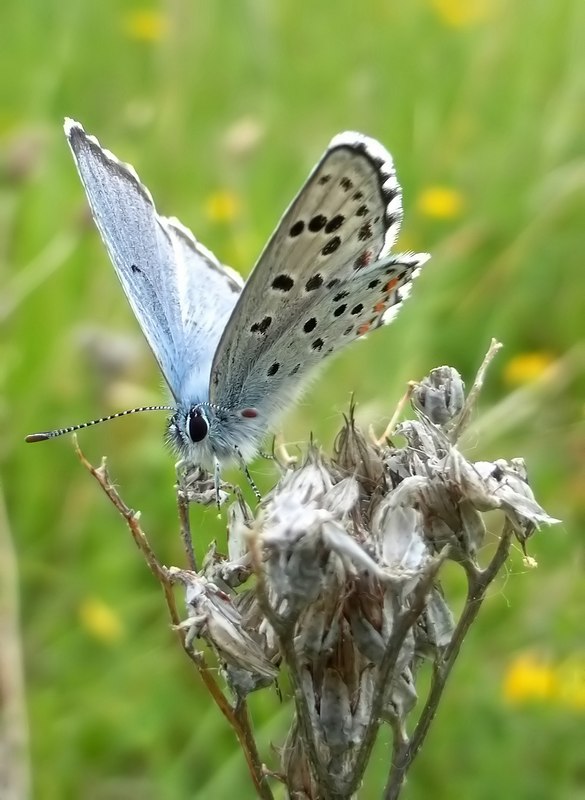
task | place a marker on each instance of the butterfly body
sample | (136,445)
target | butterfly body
(235,356)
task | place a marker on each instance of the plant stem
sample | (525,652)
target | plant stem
(285,632)
(238,718)
(402,625)
(478,582)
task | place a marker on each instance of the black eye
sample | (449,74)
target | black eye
(198,426)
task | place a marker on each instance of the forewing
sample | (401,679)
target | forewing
(313,288)
(178,291)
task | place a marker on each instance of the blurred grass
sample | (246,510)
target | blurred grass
(482,100)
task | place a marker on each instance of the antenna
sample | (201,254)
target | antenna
(45,435)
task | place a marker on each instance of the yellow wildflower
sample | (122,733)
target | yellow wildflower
(146,25)
(529,679)
(222,206)
(526,367)
(460,13)
(440,202)
(100,621)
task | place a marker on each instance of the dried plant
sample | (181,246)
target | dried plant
(336,578)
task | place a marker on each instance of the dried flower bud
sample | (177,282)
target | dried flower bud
(198,486)
(240,522)
(425,441)
(299,780)
(441,395)
(225,572)
(213,616)
(355,455)
(506,486)
(397,527)
(435,626)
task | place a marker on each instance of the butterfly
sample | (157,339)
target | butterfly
(236,355)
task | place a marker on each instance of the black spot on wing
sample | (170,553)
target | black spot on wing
(334,223)
(297,228)
(261,327)
(365,232)
(314,283)
(317,223)
(283,283)
(331,246)
(273,369)
(310,325)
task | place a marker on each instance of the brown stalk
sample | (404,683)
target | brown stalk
(238,718)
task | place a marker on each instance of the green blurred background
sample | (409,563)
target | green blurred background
(223,108)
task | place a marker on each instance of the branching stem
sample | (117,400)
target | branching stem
(478,582)
(237,717)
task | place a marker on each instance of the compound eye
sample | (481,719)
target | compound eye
(198,426)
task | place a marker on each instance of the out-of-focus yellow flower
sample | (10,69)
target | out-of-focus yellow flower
(526,367)
(460,13)
(146,25)
(101,621)
(222,206)
(529,679)
(440,202)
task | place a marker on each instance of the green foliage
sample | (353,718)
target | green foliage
(223,108)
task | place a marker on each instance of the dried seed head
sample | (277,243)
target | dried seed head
(347,555)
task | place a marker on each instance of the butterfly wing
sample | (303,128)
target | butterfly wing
(325,277)
(328,322)
(178,291)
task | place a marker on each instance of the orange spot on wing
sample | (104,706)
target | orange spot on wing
(380,306)
(391,285)
(363,329)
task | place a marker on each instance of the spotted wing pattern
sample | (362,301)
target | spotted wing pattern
(325,277)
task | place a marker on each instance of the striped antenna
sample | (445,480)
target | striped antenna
(43,437)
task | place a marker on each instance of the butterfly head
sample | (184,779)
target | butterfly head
(204,433)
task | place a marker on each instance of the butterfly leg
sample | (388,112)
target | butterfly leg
(246,472)
(217,482)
